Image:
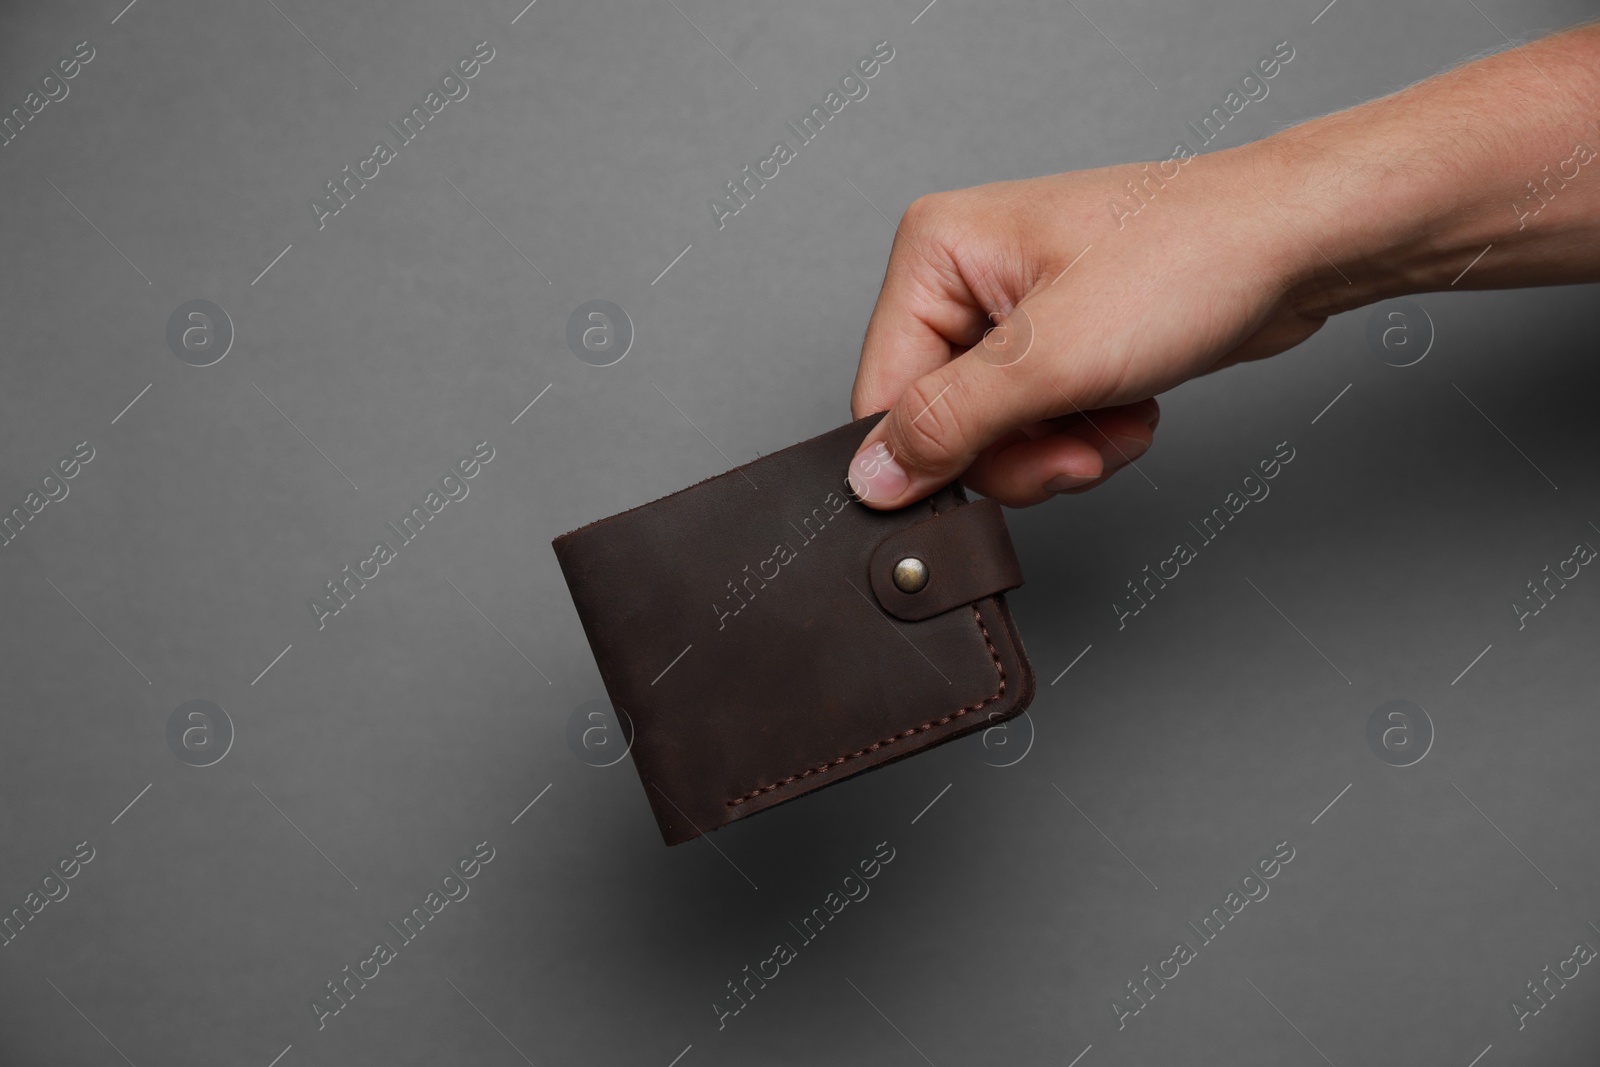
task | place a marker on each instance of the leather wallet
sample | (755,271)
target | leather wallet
(757,644)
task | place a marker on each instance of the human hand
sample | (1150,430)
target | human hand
(1106,287)
(1024,327)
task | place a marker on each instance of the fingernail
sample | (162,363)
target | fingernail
(1128,448)
(1062,482)
(875,476)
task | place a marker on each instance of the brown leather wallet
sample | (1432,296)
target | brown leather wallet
(756,644)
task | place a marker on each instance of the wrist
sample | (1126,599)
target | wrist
(1405,194)
(1357,217)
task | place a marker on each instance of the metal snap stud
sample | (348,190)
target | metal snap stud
(910,575)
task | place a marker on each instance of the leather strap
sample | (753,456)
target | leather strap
(968,554)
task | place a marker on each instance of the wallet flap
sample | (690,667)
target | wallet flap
(958,556)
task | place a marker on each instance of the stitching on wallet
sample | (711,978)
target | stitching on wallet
(912,732)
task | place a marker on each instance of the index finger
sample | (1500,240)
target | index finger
(924,316)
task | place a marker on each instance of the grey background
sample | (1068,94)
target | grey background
(408,730)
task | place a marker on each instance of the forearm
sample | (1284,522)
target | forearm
(1401,195)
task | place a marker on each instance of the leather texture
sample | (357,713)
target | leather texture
(739,629)
(968,554)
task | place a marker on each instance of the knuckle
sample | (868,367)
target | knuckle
(1094,382)
(918,212)
(924,213)
(928,432)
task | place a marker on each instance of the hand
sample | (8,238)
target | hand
(1024,327)
(1106,287)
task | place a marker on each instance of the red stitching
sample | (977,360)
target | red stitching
(930,724)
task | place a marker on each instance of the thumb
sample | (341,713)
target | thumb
(944,419)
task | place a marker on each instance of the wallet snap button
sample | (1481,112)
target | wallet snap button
(910,575)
